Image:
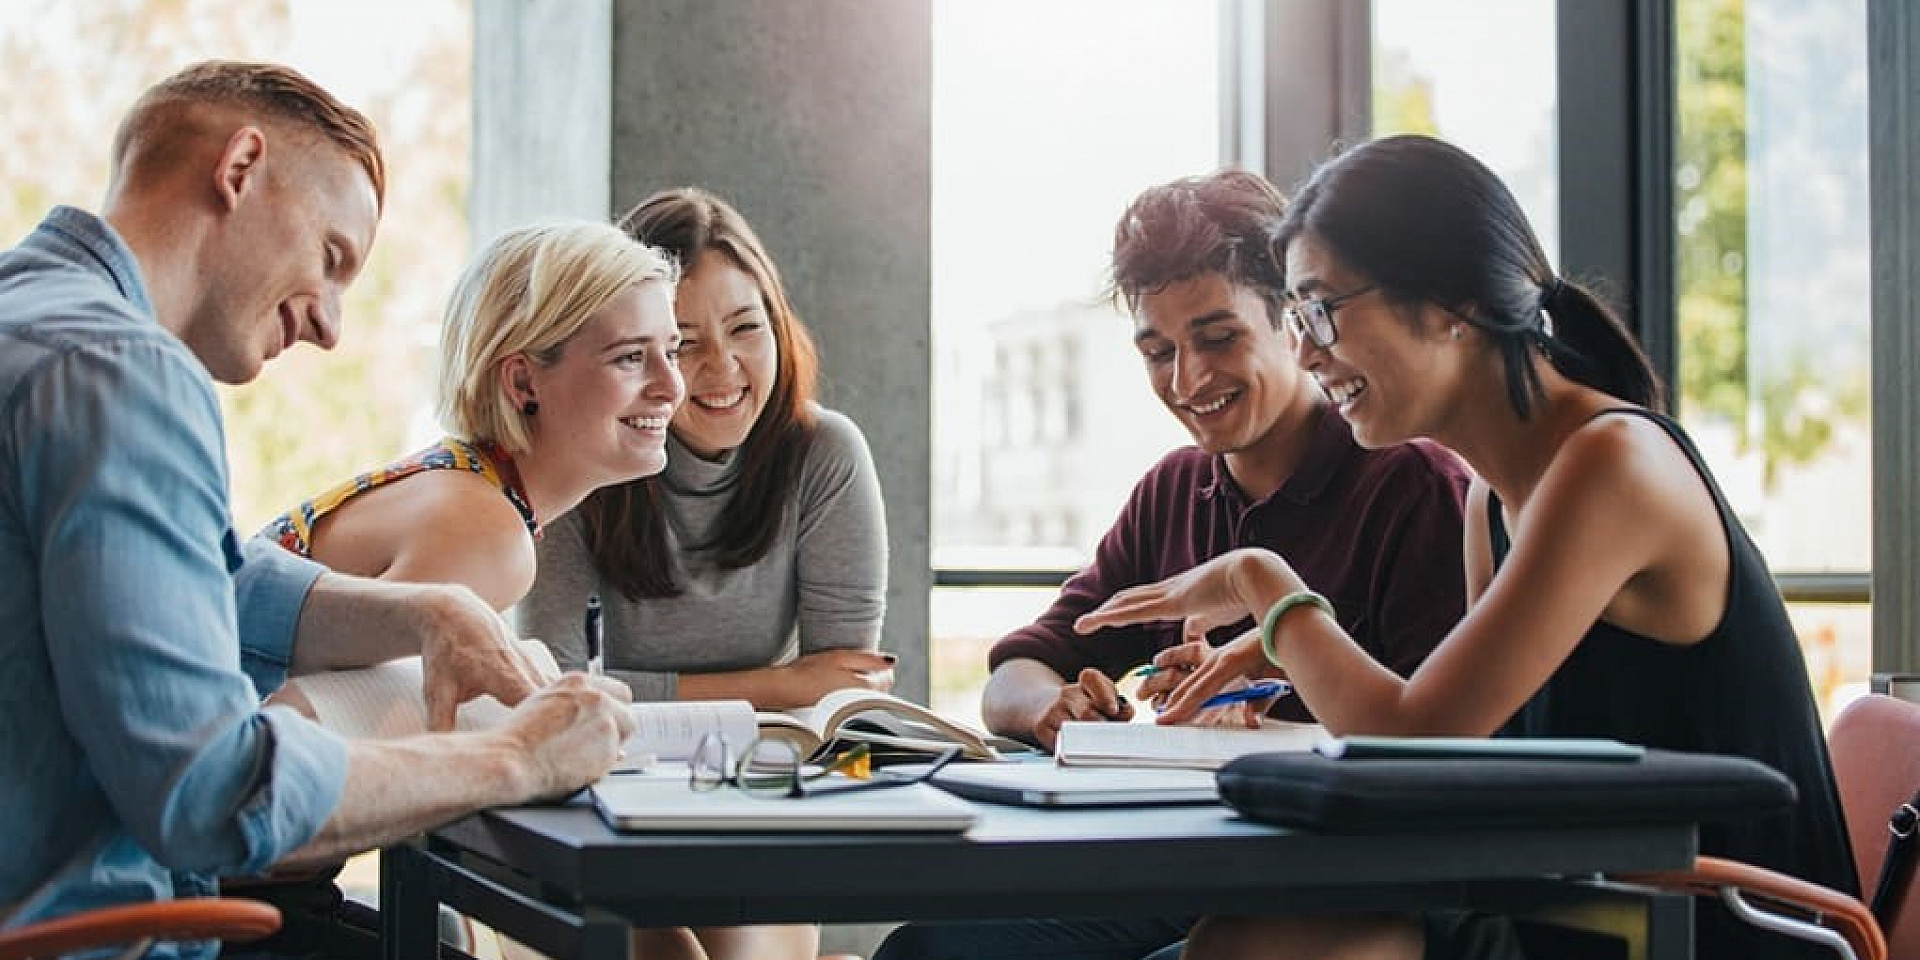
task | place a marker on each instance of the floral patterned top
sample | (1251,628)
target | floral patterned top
(294,528)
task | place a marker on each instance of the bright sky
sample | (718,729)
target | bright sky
(1048,117)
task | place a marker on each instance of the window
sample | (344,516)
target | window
(1771,240)
(1480,74)
(315,418)
(1049,116)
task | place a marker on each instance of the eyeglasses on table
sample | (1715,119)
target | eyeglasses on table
(774,768)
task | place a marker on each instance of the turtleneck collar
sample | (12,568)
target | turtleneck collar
(689,473)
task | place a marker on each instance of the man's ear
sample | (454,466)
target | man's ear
(240,167)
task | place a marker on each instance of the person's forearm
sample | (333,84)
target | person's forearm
(761,686)
(1346,689)
(350,622)
(398,788)
(1017,693)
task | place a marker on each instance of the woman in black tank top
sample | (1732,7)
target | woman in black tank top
(1612,591)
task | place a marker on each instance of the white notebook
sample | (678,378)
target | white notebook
(1091,743)
(383,702)
(665,804)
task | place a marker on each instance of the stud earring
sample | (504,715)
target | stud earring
(530,408)
(1456,331)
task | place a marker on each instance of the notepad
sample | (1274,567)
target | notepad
(1092,743)
(656,804)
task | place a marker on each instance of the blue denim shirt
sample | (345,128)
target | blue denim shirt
(137,635)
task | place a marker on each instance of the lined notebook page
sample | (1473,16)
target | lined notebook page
(384,701)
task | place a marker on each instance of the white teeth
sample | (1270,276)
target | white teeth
(646,423)
(1344,391)
(1214,407)
(721,401)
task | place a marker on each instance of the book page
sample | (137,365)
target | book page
(908,724)
(1095,743)
(384,701)
(381,702)
(672,730)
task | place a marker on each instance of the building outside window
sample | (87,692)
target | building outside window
(1048,117)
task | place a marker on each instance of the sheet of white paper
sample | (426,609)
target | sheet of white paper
(673,730)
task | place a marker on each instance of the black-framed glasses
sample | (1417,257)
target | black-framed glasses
(1312,318)
(774,768)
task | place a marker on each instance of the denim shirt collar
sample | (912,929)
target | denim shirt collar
(84,237)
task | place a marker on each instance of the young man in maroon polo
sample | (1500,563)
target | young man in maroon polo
(1377,532)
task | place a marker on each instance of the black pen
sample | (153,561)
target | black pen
(596,637)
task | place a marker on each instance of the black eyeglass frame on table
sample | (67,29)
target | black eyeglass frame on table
(773,769)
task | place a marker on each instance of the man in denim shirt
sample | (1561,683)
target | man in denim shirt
(137,636)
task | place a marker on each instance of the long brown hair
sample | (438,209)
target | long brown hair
(625,528)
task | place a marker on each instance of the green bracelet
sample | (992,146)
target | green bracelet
(1271,621)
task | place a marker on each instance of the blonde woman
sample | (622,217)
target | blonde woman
(558,376)
(755,566)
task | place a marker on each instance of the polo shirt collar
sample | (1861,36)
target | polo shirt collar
(1328,449)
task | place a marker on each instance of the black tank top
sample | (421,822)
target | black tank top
(1742,690)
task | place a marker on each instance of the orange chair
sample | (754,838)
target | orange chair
(140,925)
(1875,744)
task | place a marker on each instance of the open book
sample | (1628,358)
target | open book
(894,729)
(1092,743)
(384,702)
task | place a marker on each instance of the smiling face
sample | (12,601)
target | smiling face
(728,354)
(1218,363)
(606,401)
(1392,371)
(282,259)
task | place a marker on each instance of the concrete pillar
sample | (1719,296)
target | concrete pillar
(814,119)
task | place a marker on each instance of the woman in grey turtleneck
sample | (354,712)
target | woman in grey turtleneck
(755,566)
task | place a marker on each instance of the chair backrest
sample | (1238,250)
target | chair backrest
(1876,760)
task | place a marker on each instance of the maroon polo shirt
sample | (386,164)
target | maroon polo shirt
(1378,532)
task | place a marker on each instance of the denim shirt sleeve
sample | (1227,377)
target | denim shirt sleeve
(270,585)
(123,490)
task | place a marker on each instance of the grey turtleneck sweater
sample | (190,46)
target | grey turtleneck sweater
(822,586)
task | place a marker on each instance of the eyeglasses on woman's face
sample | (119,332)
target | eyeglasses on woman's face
(774,768)
(1311,319)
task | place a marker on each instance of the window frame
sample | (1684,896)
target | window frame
(1616,146)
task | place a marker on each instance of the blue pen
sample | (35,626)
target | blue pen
(596,637)
(1258,691)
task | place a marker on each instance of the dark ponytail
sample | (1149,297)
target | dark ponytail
(1590,345)
(1427,222)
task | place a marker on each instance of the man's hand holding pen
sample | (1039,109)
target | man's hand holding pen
(1090,696)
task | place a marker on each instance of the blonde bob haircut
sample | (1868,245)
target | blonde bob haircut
(528,293)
